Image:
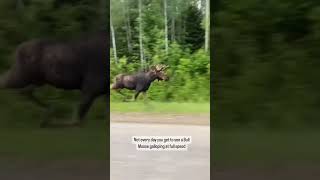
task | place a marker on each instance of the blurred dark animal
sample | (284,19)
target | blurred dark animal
(78,64)
(141,81)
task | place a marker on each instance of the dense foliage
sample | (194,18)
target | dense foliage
(266,63)
(189,63)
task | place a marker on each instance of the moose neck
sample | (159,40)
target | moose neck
(150,77)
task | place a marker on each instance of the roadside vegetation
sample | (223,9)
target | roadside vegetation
(174,33)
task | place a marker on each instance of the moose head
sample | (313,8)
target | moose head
(158,72)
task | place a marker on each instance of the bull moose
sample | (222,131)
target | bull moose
(141,81)
(77,64)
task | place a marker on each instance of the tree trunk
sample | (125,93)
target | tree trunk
(166,25)
(179,25)
(184,29)
(128,27)
(173,29)
(141,35)
(207,26)
(113,42)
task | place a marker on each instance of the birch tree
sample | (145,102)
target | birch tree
(165,25)
(141,35)
(113,41)
(126,14)
(173,24)
(207,25)
(173,9)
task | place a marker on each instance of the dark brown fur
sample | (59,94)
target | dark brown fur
(140,82)
(80,64)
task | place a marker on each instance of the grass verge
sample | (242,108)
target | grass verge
(54,144)
(160,107)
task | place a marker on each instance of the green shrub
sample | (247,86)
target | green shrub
(189,75)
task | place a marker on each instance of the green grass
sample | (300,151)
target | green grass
(22,138)
(265,147)
(54,144)
(160,107)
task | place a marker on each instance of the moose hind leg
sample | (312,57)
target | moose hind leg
(78,116)
(119,91)
(29,93)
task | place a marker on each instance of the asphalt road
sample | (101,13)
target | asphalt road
(128,163)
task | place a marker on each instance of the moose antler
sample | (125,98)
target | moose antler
(161,67)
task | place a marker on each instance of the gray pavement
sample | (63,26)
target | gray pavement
(128,163)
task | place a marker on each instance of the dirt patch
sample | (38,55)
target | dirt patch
(185,119)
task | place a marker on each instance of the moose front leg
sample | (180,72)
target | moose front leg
(136,95)
(83,109)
